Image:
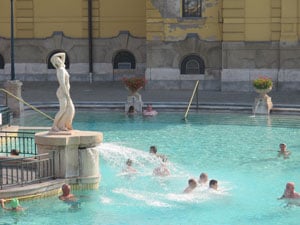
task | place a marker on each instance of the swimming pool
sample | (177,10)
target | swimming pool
(238,150)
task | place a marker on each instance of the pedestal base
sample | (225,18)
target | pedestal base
(75,155)
(262,105)
(136,102)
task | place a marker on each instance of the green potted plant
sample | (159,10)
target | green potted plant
(263,85)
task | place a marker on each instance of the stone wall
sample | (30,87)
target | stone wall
(31,56)
(243,62)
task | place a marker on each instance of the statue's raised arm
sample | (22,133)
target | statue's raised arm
(63,119)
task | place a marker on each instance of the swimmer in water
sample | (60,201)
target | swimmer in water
(203,178)
(289,191)
(129,168)
(283,151)
(162,170)
(213,184)
(14,204)
(69,198)
(66,195)
(192,184)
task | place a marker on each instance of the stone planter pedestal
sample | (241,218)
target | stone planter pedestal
(263,103)
(134,99)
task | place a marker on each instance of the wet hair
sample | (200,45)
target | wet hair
(131,108)
(129,162)
(212,182)
(164,158)
(203,175)
(192,181)
(153,149)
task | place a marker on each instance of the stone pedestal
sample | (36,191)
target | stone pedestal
(134,100)
(262,105)
(15,88)
(76,158)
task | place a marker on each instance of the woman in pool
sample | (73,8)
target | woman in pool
(64,117)
(131,111)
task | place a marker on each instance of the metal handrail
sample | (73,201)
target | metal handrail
(26,103)
(191,99)
(25,170)
(24,142)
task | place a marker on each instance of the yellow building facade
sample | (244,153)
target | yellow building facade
(223,43)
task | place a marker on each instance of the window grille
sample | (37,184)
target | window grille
(124,60)
(191,8)
(192,65)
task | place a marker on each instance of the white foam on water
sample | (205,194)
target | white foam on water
(116,155)
(105,200)
(141,196)
(164,192)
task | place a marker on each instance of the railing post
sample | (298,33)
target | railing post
(53,164)
(22,173)
(1,176)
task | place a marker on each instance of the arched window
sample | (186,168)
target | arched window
(67,62)
(124,60)
(191,8)
(192,64)
(1,62)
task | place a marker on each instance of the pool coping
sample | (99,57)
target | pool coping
(173,106)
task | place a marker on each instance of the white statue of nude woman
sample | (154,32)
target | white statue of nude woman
(63,119)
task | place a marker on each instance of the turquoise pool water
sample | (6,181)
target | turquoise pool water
(238,150)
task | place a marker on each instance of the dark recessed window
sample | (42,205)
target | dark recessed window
(191,8)
(192,65)
(124,60)
(1,62)
(67,62)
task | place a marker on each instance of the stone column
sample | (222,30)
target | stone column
(15,88)
(76,156)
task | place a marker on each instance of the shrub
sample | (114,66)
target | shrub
(262,83)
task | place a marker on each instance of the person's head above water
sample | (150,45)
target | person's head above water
(66,189)
(14,203)
(153,149)
(203,178)
(129,162)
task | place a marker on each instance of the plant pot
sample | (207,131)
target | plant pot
(134,93)
(263,92)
